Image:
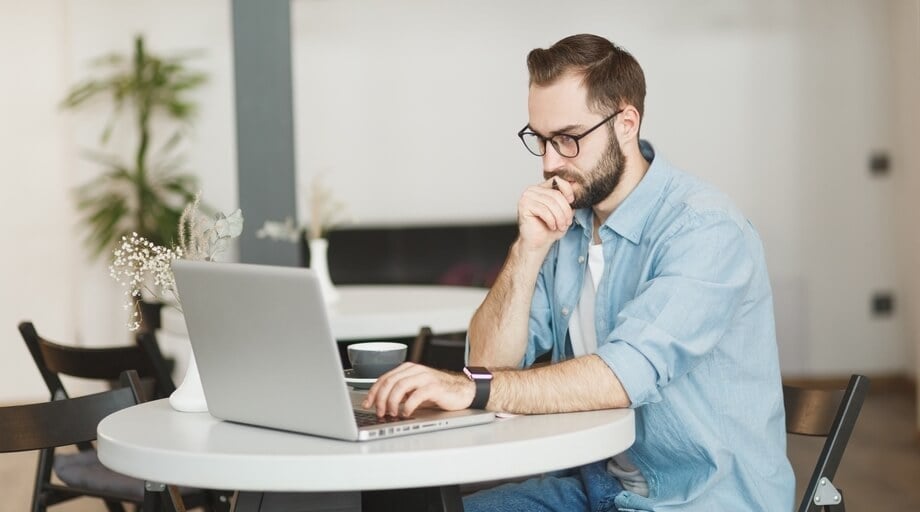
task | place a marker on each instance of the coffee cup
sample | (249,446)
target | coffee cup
(373,359)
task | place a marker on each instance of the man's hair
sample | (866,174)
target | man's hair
(611,75)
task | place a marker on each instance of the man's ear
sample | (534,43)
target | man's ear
(628,127)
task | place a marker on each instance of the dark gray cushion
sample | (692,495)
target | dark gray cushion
(83,469)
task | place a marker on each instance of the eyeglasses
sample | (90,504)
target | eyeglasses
(565,144)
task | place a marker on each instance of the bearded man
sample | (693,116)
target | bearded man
(647,289)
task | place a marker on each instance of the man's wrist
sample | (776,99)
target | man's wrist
(527,254)
(470,386)
(481,378)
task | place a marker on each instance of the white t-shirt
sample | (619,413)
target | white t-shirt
(583,335)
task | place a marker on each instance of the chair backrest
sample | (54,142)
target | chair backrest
(442,351)
(829,413)
(48,425)
(63,422)
(104,363)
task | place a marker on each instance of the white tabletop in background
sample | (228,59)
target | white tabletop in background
(151,441)
(386,311)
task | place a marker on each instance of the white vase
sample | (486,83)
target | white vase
(189,396)
(320,267)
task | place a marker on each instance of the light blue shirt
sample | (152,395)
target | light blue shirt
(684,318)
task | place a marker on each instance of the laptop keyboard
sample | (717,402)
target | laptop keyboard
(365,418)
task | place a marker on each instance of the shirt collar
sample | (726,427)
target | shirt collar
(629,219)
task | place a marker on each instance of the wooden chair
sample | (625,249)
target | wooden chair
(829,413)
(81,472)
(442,351)
(44,426)
(98,363)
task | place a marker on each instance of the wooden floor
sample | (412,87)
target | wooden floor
(880,471)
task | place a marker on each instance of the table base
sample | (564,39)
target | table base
(429,499)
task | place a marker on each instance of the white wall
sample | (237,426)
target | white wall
(38,255)
(409,109)
(905,62)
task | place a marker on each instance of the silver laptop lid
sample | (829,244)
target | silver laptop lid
(264,348)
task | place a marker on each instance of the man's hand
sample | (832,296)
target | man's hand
(414,385)
(544,213)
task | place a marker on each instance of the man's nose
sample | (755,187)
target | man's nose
(552,160)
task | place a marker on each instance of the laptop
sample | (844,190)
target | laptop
(267,357)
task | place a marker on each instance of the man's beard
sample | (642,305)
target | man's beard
(600,181)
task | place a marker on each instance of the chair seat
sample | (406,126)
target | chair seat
(83,469)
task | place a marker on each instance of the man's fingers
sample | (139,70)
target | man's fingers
(415,400)
(391,388)
(398,393)
(408,387)
(383,387)
(564,188)
(375,389)
(547,205)
(545,213)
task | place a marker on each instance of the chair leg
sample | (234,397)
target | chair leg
(839,507)
(114,506)
(42,476)
(418,346)
(175,499)
(248,502)
(220,500)
(448,499)
(162,498)
(153,500)
(427,499)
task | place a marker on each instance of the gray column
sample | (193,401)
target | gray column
(264,125)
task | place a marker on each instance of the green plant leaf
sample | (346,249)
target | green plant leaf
(103,216)
(106,159)
(82,92)
(147,195)
(180,109)
(108,60)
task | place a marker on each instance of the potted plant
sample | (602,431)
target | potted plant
(147,194)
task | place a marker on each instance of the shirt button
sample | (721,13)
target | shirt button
(581,259)
(565,311)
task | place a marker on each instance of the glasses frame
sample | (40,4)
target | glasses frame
(524,131)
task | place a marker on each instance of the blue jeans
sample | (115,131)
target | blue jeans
(543,494)
(587,488)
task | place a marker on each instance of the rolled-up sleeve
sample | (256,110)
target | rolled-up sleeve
(699,278)
(540,323)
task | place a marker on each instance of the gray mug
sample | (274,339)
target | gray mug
(373,359)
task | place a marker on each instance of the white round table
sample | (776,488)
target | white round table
(153,442)
(385,311)
(399,311)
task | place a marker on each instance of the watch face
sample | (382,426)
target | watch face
(477,372)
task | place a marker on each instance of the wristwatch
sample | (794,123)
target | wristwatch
(483,379)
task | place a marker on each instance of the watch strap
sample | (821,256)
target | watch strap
(483,390)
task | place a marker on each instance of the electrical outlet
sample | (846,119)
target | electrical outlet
(879,163)
(883,304)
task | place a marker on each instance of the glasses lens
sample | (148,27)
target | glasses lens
(565,145)
(533,143)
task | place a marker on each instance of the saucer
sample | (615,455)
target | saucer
(356,382)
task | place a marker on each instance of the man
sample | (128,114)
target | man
(648,289)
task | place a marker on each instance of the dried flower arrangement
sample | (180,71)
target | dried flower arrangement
(140,265)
